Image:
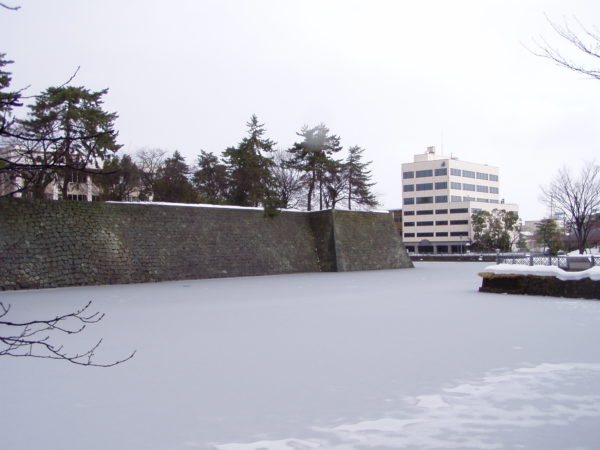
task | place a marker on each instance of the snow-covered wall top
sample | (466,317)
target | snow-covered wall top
(53,243)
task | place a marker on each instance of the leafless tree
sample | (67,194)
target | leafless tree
(577,197)
(585,41)
(150,161)
(289,180)
(35,338)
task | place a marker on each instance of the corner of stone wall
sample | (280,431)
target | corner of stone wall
(321,223)
(367,241)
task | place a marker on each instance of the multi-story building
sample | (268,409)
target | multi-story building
(439,195)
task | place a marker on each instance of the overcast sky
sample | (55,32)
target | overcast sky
(391,76)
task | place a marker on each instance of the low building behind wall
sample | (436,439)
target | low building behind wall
(61,243)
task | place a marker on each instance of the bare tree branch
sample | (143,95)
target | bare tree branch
(12,8)
(32,339)
(587,42)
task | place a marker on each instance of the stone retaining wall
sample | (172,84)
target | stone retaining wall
(65,243)
(536,285)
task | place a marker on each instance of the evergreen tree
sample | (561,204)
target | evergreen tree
(548,234)
(335,182)
(312,155)
(8,100)
(67,130)
(493,230)
(172,183)
(210,180)
(248,167)
(358,179)
(120,178)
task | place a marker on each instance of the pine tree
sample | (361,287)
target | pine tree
(67,130)
(358,179)
(210,180)
(248,167)
(8,100)
(312,155)
(120,178)
(172,183)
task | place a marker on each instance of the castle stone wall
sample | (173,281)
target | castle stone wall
(65,243)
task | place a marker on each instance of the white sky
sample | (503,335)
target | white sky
(390,76)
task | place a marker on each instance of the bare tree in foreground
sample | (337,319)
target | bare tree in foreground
(585,41)
(35,339)
(578,198)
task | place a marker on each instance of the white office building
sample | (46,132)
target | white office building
(439,195)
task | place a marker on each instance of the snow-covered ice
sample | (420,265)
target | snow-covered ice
(414,359)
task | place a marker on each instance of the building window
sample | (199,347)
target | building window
(494,190)
(409,224)
(493,177)
(468,187)
(483,200)
(456,198)
(441,199)
(441,172)
(442,248)
(441,185)
(459,233)
(409,213)
(482,176)
(77,177)
(408,175)
(468,199)
(468,174)
(409,234)
(425,187)
(427,223)
(424,212)
(424,234)
(441,222)
(409,187)
(482,188)
(441,234)
(494,201)
(455,172)
(441,211)
(410,248)
(424,200)
(455,185)
(459,222)
(77,197)
(409,201)
(459,210)
(475,210)
(424,173)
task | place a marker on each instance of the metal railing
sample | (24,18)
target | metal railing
(562,261)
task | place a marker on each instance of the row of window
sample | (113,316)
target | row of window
(425,173)
(429,223)
(444,199)
(455,172)
(426,212)
(437,234)
(453,185)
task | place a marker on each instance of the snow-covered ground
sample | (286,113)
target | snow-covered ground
(414,359)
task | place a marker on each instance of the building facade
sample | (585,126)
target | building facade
(439,195)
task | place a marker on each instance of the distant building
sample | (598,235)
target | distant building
(439,195)
(80,184)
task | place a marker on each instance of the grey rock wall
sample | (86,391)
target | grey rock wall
(53,243)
